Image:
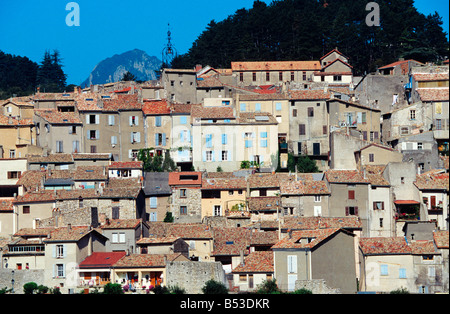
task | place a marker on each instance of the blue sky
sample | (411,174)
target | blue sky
(108,27)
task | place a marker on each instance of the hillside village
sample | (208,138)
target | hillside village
(79,208)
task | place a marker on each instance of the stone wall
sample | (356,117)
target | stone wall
(20,277)
(193,202)
(317,286)
(192,276)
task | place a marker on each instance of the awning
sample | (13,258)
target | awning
(406,202)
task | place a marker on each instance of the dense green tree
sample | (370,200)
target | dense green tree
(307,29)
(128,76)
(50,76)
(17,75)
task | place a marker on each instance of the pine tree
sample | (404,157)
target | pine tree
(50,77)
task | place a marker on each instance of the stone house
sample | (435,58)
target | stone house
(65,249)
(256,268)
(180,85)
(420,149)
(181,140)
(376,154)
(158,126)
(212,87)
(58,132)
(397,262)
(304,195)
(309,126)
(400,67)
(157,195)
(200,237)
(433,187)
(143,270)
(18,137)
(349,195)
(165,245)
(220,138)
(270,73)
(123,234)
(186,204)
(308,255)
(347,115)
(224,195)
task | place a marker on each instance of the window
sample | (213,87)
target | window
(111,120)
(183,120)
(217,210)
(278,106)
(59,147)
(292,264)
(310,111)
(419,146)
(337,78)
(317,198)
(60,251)
(224,139)
(243,107)
(153,202)
(241,76)
(378,205)
(248,143)
(325,130)
(351,211)
(93,149)
(254,76)
(304,76)
(25,209)
(118,237)
(267,76)
(75,146)
(59,271)
(302,129)
(72,129)
(157,121)
(404,131)
(224,155)
(280,76)
(438,124)
(93,119)
(183,210)
(402,180)
(208,140)
(294,112)
(113,140)
(94,134)
(135,137)
(402,273)
(263,143)
(209,155)
(384,270)
(351,194)
(412,115)
(12,153)
(172,83)
(381,222)
(183,193)
(134,120)
(14,174)
(292,76)
(257,107)
(371,158)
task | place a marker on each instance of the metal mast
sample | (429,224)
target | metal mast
(169,52)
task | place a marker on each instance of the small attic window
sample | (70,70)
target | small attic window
(189,177)
(305,240)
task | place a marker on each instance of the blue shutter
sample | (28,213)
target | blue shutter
(263,143)
(164,139)
(264,134)
(243,107)
(183,120)
(158,121)
(384,270)
(156,140)
(257,107)
(204,156)
(278,106)
(224,139)
(153,202)
(209,140)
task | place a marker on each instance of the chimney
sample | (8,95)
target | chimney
(241,254)
(69,227)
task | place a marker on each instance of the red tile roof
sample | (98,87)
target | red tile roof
(101,260)
(433,94)
(257,262)
(160,107)
(345,176)
(11,121)
(381,246)
(147,260)
(53,116)
(126,165)
(122,102)
(122,224)
(334,50)
(305,239)
(212,112)
(6,205)
(441,238)
(432,181)
(392,65)
(421,77)
(309,95)
(314,223)
(231,241)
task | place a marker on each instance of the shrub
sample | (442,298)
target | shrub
(400,291)
(214,287)
(113,288)
(302,291)
(30,287)
(42,289)
(268,287)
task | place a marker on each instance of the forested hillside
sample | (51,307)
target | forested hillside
(17,75)
(307,29)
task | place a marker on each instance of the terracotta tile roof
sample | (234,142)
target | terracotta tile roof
(231,241)
(209,82)
(382,246)
(185,178)
(154,240)
(377,180)
(315,188)
(423,247)
(392,65)
(257,262)
(256,118)
(345,176)
(122,102)
(305,239)
(212,112)
(6,205)
(126,165)
(33,232)
(54,96)
(101,260)
(147,260)
(87,173)
(122,224)
(53,116)
(314,223)
(36,197)
(31,179)
(292,187)
(11,121)
(160,107)
(87,156)
(433,94)
(124,183)
(275,66)
(182,108)
(441,238)
(334,50)
(263,238)
(264,180)
(264,203)
(63,234)
(274,96)
(188,231)
(50,159)
(308,95)
(233,183)
(121,192)
(432,181)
